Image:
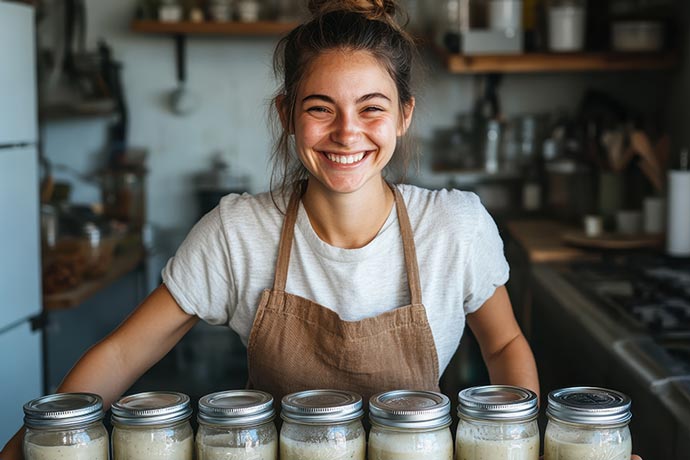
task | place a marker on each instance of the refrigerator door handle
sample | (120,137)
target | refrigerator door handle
(38,322)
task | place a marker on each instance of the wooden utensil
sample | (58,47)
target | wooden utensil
(640,143)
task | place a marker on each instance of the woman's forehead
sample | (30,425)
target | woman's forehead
(354,73)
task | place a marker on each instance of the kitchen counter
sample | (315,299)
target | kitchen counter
(542,240)
(122,264)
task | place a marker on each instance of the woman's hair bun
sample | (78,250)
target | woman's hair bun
(371,9)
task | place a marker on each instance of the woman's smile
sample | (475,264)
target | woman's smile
(346,159)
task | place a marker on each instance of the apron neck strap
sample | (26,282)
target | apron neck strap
(288,230)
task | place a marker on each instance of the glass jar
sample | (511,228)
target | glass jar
(322,425)
(410,424)
(497,422)
(567,25)
(587,422)
(152,426)
(65,426)
(123,195)
(236,425)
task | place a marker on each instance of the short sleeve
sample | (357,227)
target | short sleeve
(487,267)
(198,276)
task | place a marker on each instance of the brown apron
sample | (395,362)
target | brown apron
(296,344)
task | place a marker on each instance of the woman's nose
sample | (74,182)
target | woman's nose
(346,129)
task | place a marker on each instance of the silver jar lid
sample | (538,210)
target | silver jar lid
(410,409)
(152,408)
(63,410)
(322,406)
(236,408)
(589,406)
(498,402)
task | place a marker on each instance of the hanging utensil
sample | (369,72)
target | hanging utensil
(182,100)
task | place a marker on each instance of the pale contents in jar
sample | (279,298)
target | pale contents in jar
(323,450)
(433,445)
(560,450)
(96,449)
(213,449)
(507,449)
(151,445)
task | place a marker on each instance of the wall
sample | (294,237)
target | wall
(233,79)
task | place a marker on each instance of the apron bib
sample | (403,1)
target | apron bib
(296,344)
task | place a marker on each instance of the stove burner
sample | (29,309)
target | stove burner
(681,353)
(652,292)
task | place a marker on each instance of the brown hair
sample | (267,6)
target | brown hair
(356,25)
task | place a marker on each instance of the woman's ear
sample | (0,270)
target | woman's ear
(406,117)
(282,109)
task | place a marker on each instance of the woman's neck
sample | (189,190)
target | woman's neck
(348,220)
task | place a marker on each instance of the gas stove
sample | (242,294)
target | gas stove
(629,317)
(651,293)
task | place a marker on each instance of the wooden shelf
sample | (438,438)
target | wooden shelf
(256,29)
(122,264)
(56,112)
(558,62)
(477,174)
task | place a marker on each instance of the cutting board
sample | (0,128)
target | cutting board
(613,240)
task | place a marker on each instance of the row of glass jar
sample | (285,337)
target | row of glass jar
(495,422)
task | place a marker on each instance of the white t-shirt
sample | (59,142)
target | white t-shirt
(229,258)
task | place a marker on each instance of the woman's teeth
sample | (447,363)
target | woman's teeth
(345,159)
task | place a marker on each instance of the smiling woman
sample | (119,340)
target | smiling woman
(382,277)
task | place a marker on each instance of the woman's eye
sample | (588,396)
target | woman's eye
(317,109)
(373,108)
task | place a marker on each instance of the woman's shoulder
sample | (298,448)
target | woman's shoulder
(261,209)
(441,202)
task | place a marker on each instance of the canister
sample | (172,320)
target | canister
(65,426)
(497,422)
(322,425)
(587,423)
(236,425)
(407,424)
(152,426)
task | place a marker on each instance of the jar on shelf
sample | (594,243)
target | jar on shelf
(567,25)
(152,426)
(410,424)
(248,10)
(322,425)
(220,10)
(237,425)
(170,11)
(497,422)
(65,425)
(587,422)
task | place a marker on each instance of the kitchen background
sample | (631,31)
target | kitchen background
(174,146)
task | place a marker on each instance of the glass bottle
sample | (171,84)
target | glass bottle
(236,425)
(497,422)
(65,426)
(152,426)
(322,425)
(587,422)
(410,424)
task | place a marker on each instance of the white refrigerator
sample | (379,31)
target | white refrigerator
(21,373)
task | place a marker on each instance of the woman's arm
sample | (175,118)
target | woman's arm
(507,354)
(111,366)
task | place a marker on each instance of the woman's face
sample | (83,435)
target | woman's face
(347,119)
